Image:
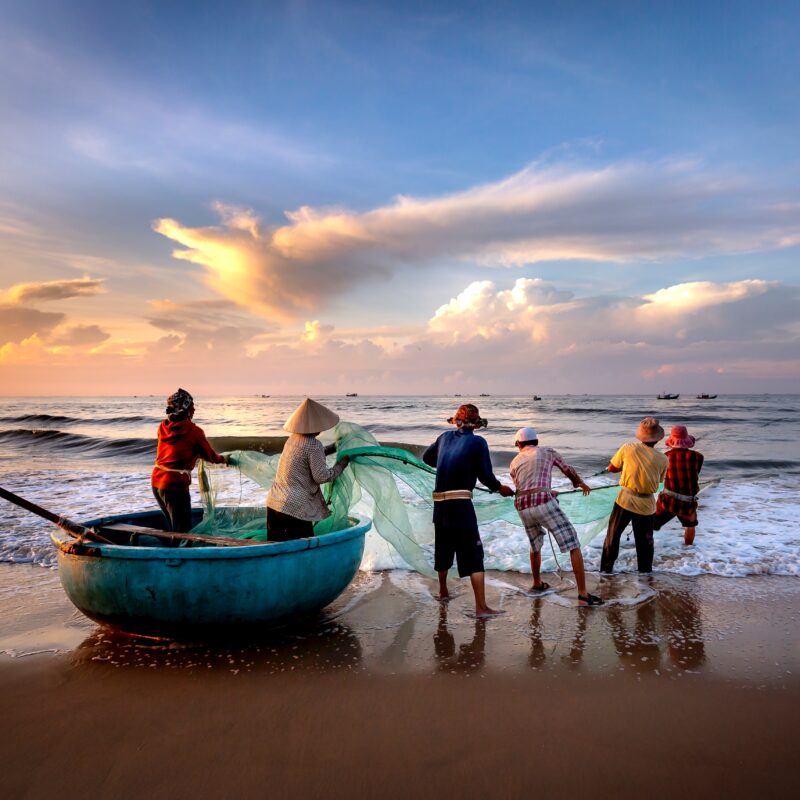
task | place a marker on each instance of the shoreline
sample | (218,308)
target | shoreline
(683,685)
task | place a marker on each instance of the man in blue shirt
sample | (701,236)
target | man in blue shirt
(461,459)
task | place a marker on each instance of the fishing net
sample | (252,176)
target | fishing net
(391,486)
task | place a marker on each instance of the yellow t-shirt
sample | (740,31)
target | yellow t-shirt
(643,469)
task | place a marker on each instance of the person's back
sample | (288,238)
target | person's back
(643,469)
(295,490)
(461,459)
(532,468)
(683,471)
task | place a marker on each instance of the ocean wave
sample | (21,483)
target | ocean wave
(59,419)
(55,441)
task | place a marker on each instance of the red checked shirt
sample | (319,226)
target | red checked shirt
(532,468)
(682,473)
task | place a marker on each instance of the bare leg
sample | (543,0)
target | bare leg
(444,594)
(576,557)
(536,566)
(688,536)
(478,586)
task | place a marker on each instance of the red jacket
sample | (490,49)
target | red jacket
(180,444)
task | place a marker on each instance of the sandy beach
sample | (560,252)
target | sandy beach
(680,686)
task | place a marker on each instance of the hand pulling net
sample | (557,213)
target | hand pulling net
(389,484)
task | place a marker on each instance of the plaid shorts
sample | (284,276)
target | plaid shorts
(548,516)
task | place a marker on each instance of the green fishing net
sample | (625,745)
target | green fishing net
(391,486)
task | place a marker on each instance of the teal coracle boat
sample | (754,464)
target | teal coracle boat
(167,590)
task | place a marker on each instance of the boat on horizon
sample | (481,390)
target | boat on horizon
(667,396)
(352,394)
(706,397)
(536,397)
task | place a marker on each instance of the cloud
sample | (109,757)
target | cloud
(623,212)
(18,324)
(81,336)
(535,310)
(52,290)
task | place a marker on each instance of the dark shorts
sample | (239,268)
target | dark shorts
(176,505)
(669,507)
(286,528)
(457,537)
(663,517)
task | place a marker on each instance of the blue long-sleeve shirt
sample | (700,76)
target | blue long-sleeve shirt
(461,459)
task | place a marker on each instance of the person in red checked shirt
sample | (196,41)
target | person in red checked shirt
(678,498)
(180,444)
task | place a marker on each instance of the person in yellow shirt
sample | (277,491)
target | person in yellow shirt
(643,468)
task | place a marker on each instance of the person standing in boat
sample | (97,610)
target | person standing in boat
(643,468)
(295,501)
(180,444)
(461,459)
(679,496)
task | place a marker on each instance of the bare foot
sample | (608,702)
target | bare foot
(443,597)
(485,613)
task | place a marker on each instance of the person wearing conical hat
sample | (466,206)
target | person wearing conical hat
(642,469)
(295,501)
(679,495)
(461,459)
(180,444)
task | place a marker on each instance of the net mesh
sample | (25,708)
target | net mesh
(388,484)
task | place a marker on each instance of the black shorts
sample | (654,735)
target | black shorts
(457,536)
(663,517)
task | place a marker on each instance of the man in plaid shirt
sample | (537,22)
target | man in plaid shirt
(535,501)
(679,496)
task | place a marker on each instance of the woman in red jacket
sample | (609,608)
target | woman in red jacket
(180,444)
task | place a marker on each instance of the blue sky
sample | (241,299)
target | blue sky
(679,120)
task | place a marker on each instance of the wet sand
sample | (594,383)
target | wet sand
(681,686)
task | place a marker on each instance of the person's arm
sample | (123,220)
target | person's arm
(485,472)
(203,448)
(615,465)
(320,472)
(431,454)
(700,460)
(570,472)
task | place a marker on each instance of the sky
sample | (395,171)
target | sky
(414,198)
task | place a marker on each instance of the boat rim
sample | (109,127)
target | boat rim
(259,550)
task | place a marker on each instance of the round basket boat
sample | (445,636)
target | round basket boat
(167,590)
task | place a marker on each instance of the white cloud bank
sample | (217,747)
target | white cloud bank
(625,212)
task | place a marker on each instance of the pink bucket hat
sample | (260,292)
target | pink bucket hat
(650,430)
(679,437)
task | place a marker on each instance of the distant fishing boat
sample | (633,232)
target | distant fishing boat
(352,394)
(706,397)
(483,394)
(667,396)
(536,397)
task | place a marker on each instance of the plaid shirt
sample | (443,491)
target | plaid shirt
(533,467)
(682,471)
(301,470)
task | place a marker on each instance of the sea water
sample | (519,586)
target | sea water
(89,457)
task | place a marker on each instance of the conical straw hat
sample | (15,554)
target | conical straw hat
(310,417)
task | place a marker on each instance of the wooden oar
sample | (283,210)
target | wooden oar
(95,534)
